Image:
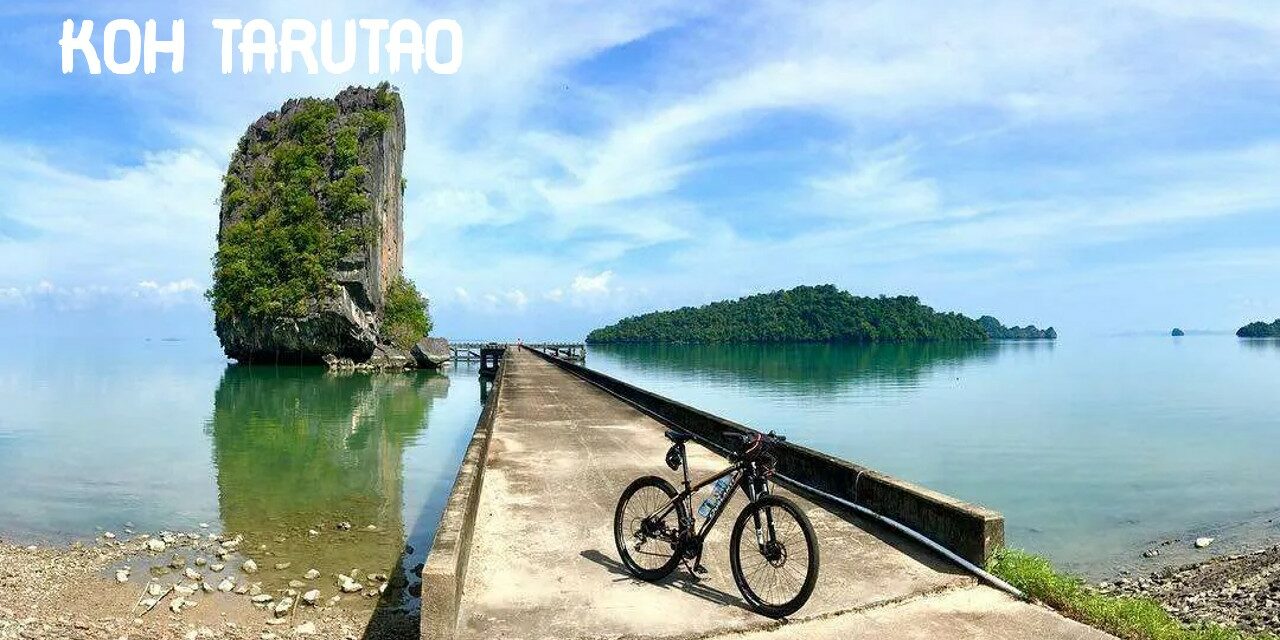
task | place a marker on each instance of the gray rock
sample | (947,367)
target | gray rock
(431,353)
(345,323)
(386,356)
(283,606)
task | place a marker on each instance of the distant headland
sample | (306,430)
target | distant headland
(1260,330)
(811,314)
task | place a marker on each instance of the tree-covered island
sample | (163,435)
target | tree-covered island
(1260,330)
(811,314)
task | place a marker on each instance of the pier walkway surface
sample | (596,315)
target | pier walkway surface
(540,563)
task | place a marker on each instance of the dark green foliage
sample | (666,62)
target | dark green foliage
(803,314)
(998,331)
(298,201)
(1260,330)
(405,319)
(1132,618)
(1178,332)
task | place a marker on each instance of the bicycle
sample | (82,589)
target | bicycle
(775,567)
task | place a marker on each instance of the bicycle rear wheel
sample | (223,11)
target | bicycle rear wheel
(774,555)
(648,538)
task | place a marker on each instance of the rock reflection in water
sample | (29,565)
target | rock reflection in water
(301,452)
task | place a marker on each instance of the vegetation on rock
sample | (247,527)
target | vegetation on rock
(1260,330)
(803,314)
(297,198)
(405,318)
(1178,332)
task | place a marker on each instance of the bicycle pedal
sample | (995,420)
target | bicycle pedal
(699,569)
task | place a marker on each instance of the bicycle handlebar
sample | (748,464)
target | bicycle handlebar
(752,444)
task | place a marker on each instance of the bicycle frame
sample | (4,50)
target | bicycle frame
(745,476)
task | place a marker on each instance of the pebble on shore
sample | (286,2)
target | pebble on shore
(173,585)
(1236,590)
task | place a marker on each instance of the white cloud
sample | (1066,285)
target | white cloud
(517,299)
(186,285)
(592,285)
(527,173)
(159,215)
(12,296)
(83,296)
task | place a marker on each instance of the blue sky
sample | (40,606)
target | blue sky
(1101,167)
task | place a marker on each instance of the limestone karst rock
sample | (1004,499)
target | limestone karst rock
(310,235)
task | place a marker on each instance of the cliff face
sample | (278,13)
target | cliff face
(310,233)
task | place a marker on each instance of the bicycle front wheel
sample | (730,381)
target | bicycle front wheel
(774,555)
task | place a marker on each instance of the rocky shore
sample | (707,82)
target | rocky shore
(192,585)
(1238,590)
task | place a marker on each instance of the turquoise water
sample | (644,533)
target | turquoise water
(164,435)
(1094,449)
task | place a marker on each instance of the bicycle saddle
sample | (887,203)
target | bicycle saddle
(677,437)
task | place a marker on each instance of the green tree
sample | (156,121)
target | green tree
(405,318)
(803,314)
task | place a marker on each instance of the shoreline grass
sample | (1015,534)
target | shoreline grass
(1126,617)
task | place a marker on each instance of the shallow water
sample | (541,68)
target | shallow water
(1094,449)
(160,435)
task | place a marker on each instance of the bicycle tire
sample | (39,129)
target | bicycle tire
(622,522)
(758,603)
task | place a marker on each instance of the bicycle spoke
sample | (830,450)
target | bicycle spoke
(649,546)
(776,571)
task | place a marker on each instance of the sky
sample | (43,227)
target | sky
(1101,167)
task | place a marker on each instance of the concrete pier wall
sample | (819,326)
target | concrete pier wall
(971,531)
(442,575)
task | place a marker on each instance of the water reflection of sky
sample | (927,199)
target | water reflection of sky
(168,435)
(1091,448)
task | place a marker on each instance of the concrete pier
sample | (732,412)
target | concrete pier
(525,548)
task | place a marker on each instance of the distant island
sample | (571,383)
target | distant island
(997,331)
(1260,330)
(1178,332)
(810,314)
